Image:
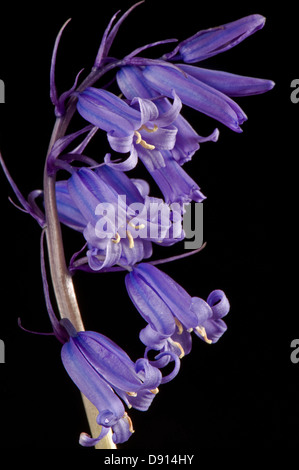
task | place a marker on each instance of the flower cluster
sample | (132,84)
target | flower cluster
(121,222)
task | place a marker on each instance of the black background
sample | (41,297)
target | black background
(242,390)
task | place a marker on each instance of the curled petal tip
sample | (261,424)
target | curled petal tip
(86,440)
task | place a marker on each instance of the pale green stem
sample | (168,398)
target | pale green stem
(61,279)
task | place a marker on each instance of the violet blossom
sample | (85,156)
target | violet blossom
(207,91)
(117,217)
(131,82)
(135,127)
(104,372)
(119,220)
(171,313)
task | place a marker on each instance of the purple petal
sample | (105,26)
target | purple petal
(109,256)
(168,117)
(202,310)
(174,183)
(122,430)
(152,338)
(91,384)
(152,159)
(108,360)
(184,339)
(196,94)
(209,42)
(218,303)
(157,219)
(150,376)
(176,369)
(149,304)
(228,83)
(142,186)
(87,190)
(214,326)
(147,109)
(87,441)
(162,138)
(125,165)
(214,330)
(141,401)
(68,212)
(131,82)
(121,183)
(187,140)
(177,300)
(110,113)
(132,255)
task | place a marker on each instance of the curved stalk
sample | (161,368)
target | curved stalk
(61,279)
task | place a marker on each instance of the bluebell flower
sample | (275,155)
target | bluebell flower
(209,42)
(175,183)
(131,82)
(196,94)
(137,128)
(118,219)
(171,313)
(103,372)
(207,91)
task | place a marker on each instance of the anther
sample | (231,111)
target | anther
(179,325)
(178,345)
(137,227)
(155,391)
(132,394)
(117,238)
(147,129)
(142,142)
(139,138)
(202,331)
(127,417)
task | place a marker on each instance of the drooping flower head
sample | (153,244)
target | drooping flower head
(171,313)
(118,219)
(104,373)
(207,91)
(135,127)
(209,42)
(131,82)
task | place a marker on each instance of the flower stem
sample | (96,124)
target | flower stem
(61,279)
